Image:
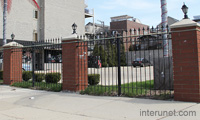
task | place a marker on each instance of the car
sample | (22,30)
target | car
(142,62)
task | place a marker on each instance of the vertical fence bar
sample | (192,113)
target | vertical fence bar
(33,65)
(119,65)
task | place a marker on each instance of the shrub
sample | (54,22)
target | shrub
(52,77)
(93,79)
(39,77)
(26,75)
(131,48)
(1,75)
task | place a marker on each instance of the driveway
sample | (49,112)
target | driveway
(109,75)
(24,104)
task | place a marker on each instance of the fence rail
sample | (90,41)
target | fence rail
(126,63)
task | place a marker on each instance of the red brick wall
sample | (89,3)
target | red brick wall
(186,62)
(127,25)
(75,68)
(12,66)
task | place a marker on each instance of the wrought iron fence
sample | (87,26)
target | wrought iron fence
(130,63)
(120,63)
(41,65)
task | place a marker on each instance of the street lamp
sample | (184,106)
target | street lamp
(74,27)
(12,36)
(185,11)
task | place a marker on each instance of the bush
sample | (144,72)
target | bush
(93,79)
(131,48)
(1,75)
(39,77)
(52,77)
(26,75)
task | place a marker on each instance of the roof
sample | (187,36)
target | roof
(122,17)
(96,24)
(197,17)
(173,20)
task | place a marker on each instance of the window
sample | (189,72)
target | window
(35,37)
(35,14)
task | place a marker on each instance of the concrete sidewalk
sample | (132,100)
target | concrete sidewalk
(25,104)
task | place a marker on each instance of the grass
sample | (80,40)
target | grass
(129,89)
(56,87)
(1,82)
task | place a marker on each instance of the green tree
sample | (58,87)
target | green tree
(103,56)
(99,51)
(111,53)
(123,55)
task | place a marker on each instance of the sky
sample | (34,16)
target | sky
(147,11)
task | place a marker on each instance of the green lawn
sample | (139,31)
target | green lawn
(56,87)
(1,82)
(129,89)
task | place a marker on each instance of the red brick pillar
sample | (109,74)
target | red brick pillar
(12,63)
(74,63)
(186,60)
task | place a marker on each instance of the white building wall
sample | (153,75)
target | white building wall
(20,21)
(59,17)
(61,14)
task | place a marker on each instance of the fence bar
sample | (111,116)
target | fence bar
(119,65)
(33,66)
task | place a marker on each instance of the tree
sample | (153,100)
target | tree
(123,55)
(99,51)
(6,8)
(103,55)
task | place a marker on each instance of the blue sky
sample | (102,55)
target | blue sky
(147,11)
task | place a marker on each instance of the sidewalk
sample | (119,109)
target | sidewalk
(25,104)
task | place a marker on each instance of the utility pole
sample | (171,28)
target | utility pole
(164,24)
(102,22)
(4,21)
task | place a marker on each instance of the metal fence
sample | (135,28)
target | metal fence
(120,63)
(41,65)
(130,63)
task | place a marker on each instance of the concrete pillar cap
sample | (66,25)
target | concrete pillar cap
(12,44)
(184,23)
(71,37)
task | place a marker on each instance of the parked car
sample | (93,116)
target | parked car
(141,62)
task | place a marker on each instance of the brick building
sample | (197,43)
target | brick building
(127,23)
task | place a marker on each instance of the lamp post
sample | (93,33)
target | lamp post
(12,36)
(74,27)
(185,11)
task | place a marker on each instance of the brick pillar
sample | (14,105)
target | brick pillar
(74,61)
(186,60)
(12,63)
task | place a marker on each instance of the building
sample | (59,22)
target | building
(97,28)
(170,21)
(197,18)
(54,19)
(127,23)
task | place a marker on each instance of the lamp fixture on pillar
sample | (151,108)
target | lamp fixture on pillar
(12,36)
(74,27)
(185,11)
